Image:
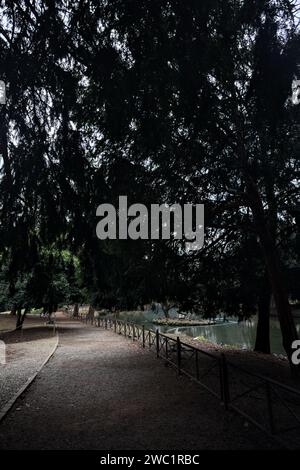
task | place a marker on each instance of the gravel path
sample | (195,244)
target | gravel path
(101,391)
(26,351)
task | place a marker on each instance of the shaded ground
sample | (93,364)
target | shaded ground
(5,321)
(26,351)
(8,322)
(101,391)
(259,386)
(269,365)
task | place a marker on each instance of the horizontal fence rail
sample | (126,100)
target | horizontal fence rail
(262,401)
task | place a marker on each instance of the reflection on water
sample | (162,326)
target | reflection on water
(233,333)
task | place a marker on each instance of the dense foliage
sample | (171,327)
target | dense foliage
(163,102)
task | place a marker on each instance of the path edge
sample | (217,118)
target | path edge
(8,405)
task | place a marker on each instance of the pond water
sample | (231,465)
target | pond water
(233,333)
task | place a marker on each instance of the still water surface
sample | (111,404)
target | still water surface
(241,334)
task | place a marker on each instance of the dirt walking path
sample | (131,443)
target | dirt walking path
(101,391)
(25,352)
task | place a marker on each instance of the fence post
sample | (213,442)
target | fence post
(179,355)
(225,382)
(221,380)
(197,366)
(270,408)
(115,325)
(133,332)
(143,336)
(105,323)
(125,329)
(157,343)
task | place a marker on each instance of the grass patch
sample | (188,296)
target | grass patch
(176,322)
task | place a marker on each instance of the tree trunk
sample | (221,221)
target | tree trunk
(76,311)
(13,311)
(166,312)
(91,312)
(20,318)
(276,279)
(262,343)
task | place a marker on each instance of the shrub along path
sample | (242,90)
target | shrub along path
(101,391)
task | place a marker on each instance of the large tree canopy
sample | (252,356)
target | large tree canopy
(186,102)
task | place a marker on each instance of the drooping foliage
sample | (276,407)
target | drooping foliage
(163,102)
